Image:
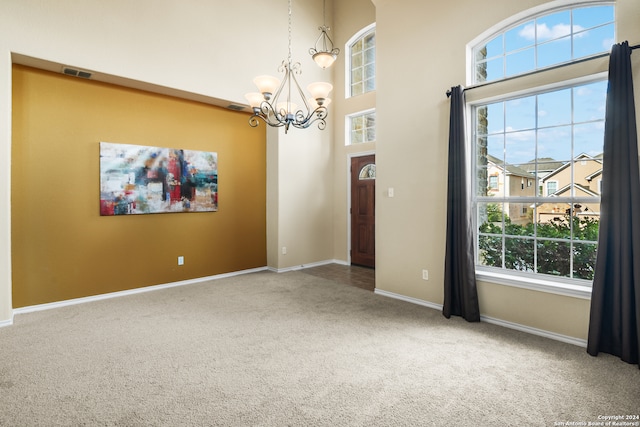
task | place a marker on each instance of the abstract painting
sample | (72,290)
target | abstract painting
(136,179)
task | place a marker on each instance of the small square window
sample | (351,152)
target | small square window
(362,127)
(493,182)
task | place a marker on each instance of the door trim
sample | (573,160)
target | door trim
(348,213)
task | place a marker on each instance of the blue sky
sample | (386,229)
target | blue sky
(560,116)
(515,51)
(513,123)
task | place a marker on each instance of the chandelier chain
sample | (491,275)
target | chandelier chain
(289,57)
(324,15)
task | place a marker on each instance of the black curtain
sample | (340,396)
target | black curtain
(614,324)
(460,293)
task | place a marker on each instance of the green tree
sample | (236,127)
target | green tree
(552,246)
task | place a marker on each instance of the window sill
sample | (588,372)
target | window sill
(535,284)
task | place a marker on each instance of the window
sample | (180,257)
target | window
(493,182)
(362,127)
(524,133)
(548,39)
(550,135)
(367,172)
(362,64)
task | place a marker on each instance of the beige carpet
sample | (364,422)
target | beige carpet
(268,349)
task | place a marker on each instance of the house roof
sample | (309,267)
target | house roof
(578,186)
(580,156)
(593,175)
(544,164)
(509,169)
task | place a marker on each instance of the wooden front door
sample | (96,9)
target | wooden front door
(363,202)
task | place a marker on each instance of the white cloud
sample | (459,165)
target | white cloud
(545,33)
(528,32)
(584,91)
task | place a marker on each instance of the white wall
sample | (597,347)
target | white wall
(210,48)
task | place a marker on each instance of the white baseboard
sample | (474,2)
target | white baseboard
(535,331)
(8,322)
(83,300)
(311,264)
(523,328)
(408,299)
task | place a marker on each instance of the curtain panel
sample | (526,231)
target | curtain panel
(614,324)
(460,292)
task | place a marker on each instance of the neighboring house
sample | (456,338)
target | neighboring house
(544,166)
(586,183)
(511,181)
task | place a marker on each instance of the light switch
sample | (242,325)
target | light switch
(390,192)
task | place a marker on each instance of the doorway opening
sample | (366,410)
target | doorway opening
(362,211)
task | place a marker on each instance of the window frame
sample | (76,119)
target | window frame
(519,85)
(494,179)
(349,120)
(546,189)
(371,28)
(514,21)
(579,288)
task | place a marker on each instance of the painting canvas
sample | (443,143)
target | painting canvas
(138,179)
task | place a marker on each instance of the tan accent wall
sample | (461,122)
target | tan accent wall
(62,248)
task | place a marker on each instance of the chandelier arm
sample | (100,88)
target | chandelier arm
(297,70)
(326,38)
(322,37)
(283,68)
(267,113)
(318,115)
(334,50)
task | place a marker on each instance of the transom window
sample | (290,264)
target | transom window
(362,127)
(362,74)
(550,137)
(549,39)
(367,172)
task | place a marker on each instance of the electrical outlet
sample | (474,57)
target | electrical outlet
(180,260)
(284,250)
(425,274)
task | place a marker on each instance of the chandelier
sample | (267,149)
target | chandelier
(276,103)
(326,53)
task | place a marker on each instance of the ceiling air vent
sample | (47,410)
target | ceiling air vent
(77,73)
(235,107)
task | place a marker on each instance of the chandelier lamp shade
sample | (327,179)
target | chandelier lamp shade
(283,103)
